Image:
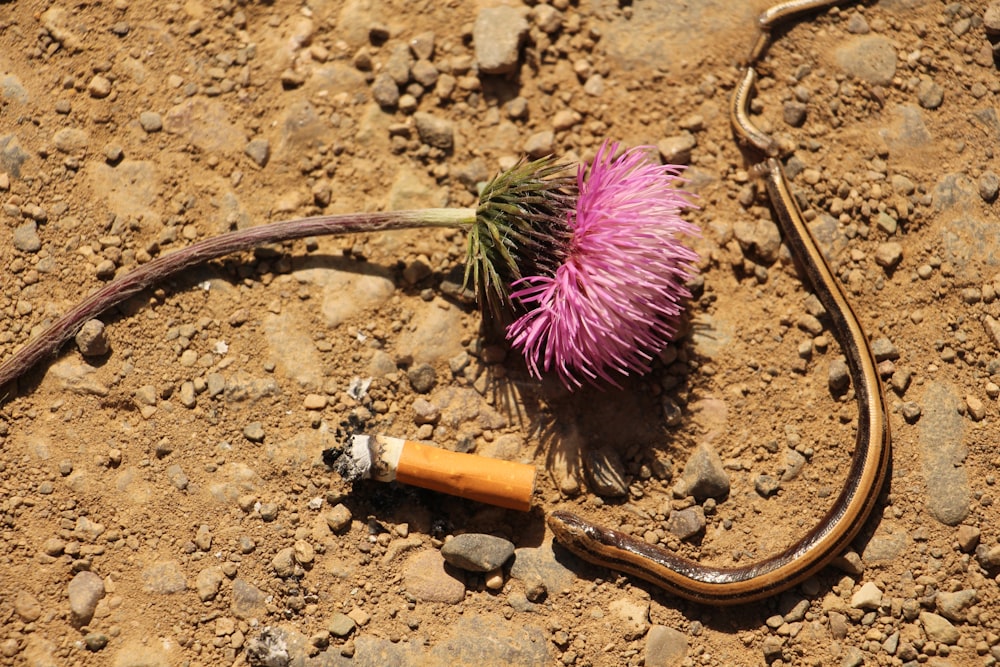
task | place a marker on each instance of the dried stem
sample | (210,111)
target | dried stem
(48,342)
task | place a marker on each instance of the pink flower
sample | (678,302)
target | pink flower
(615,299)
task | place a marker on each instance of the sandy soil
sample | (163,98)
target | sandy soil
(184,469)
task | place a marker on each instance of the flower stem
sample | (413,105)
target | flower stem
(48,342)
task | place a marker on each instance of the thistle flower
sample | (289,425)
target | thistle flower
(615,298)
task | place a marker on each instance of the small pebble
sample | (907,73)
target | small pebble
(704,476)
(677,149)
(766,485)
(268,511)
(341,625)
(99,87)
(839,377)
(151,121)
(989,186)
(254,432)
(686,523)
(930,95)
(422,378)
(92,339)
(85,591)
(338,518)
(258,150)
(477,552)
(869,596)
(26,237)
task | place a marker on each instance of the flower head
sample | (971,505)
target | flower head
(615,297)
(521,229)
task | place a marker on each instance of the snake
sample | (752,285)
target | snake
(833,534)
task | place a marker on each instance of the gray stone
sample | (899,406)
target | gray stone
(930,94)
(85,591)
(989,186)
(70,140)
(991,19)
(422,378)
(857,25)
(258,150)
(284,562)
(26,237)
(538,566)
(838,376)
(477,552)
(164,578)
(341,625)
(953,605)
(939,629)
(483,639)
(151,121)
(766,485)
(871,58)
(794,113)
(941,439)
(254,432)
(703,476)
(425,73)
(426,578)
(91,339)
(540,144)
(434,130)
(677,149)
(208,582)
(385,92)
(497,36)
(686,523)
(665,647)
(247,601)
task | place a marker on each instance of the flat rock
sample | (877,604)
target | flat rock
(489,639)
(497,36)
(85,591)
(426,577)
(871,58)
(477,552)
(164,577)
(206,124)
(26,238)
(248,601)
(631,617)
(434,335)
(538,565)
(941,439)
(703,476)
(665,647)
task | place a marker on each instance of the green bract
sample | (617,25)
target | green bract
(521,228)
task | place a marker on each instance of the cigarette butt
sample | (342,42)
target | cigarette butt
(493,481)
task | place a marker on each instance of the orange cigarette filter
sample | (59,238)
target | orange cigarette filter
(493,481)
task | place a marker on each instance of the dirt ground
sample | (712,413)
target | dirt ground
(184,468)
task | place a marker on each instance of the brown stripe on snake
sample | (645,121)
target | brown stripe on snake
(831,536)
